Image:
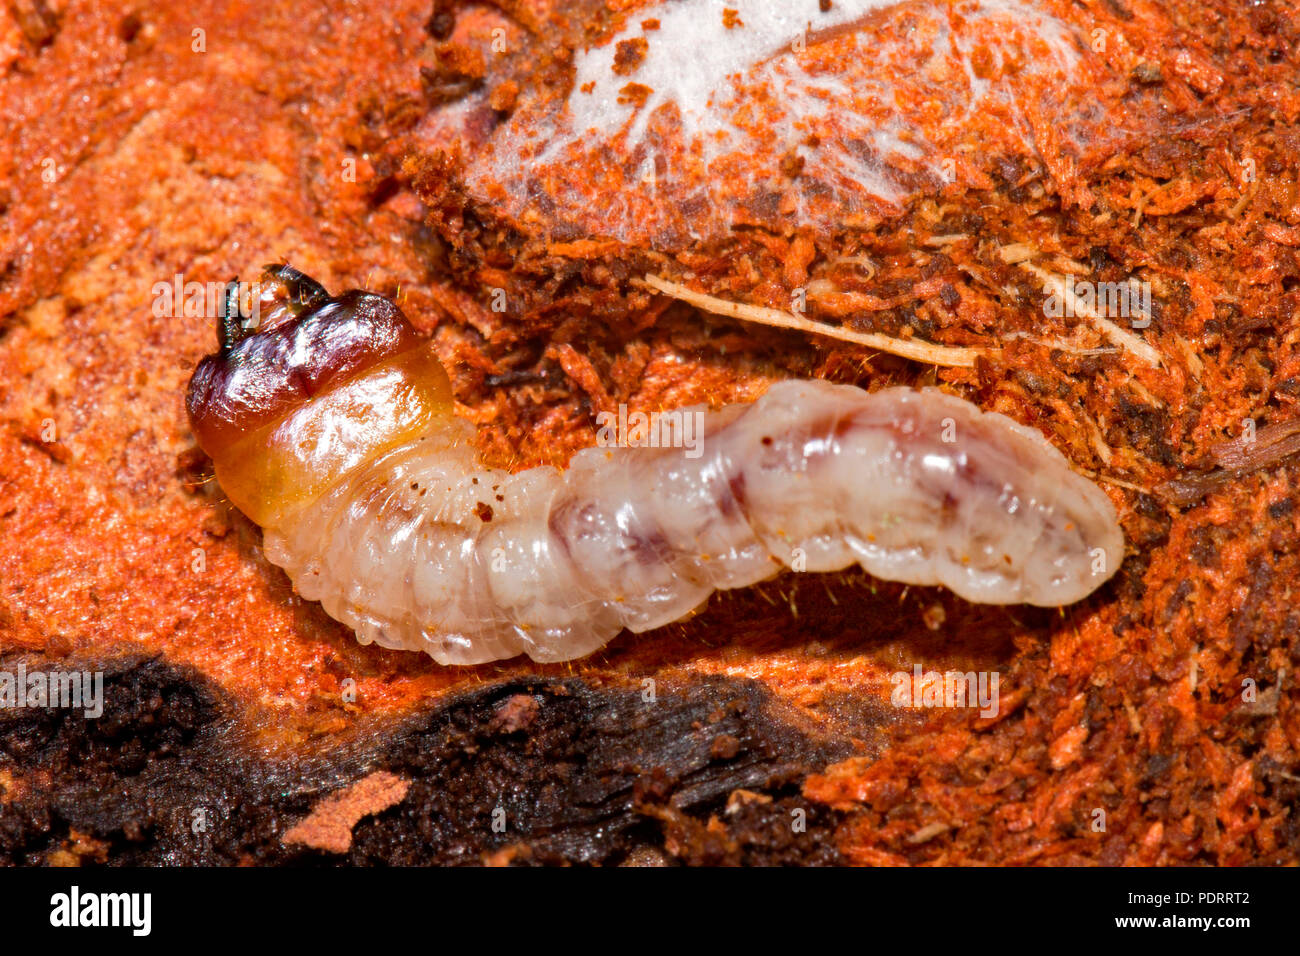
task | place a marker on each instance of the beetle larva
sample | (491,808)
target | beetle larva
(332,427)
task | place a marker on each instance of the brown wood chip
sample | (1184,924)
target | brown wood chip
(329,826)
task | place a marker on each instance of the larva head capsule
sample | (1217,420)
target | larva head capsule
(323,385)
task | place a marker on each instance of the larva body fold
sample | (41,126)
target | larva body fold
(372,499)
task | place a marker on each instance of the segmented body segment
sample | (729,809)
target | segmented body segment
(423,549)
(413,544)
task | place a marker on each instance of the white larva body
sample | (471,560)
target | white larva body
(423,549)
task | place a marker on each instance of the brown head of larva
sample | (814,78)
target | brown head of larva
(323,385)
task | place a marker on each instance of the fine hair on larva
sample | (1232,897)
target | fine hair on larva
(332,426)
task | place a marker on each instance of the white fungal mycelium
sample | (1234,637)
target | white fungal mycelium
(870,97)
(422,548)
